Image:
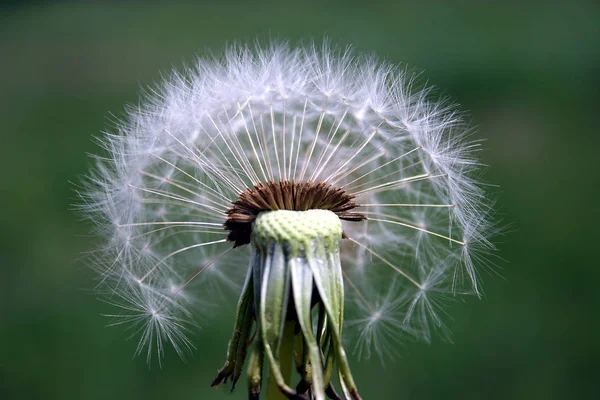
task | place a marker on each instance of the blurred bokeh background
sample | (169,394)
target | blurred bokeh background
(528,73)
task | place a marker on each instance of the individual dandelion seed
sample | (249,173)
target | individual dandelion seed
(317,181)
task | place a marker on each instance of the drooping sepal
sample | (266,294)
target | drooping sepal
(240,340)
(295,293)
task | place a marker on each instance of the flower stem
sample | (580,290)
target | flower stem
(286,356)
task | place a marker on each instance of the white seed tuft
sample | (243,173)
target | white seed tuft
(261,114)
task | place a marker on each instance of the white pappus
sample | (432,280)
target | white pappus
(263,115)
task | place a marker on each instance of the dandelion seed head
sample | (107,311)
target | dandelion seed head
(260,128)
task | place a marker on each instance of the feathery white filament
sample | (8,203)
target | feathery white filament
(273,114)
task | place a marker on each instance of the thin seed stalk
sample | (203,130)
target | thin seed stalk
(286,357)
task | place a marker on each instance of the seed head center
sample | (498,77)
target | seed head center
(297,228)
(286,195)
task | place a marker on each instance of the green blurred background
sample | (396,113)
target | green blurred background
(528,73)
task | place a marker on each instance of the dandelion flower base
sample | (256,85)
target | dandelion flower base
(295,272)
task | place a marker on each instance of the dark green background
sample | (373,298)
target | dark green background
(527,73)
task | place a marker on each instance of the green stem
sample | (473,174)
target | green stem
(286,357)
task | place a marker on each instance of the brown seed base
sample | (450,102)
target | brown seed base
(285,195)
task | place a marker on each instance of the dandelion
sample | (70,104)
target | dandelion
(315,182)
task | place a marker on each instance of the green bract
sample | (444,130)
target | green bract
(295,271)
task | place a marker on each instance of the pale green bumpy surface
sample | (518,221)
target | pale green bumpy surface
(299,229)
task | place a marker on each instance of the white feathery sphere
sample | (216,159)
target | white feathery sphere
(262,115)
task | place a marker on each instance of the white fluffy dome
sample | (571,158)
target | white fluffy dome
(272,114)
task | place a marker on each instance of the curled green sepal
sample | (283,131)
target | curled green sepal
(255,365)
(302,287)
(329,281)
(240,340)
(274,275)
